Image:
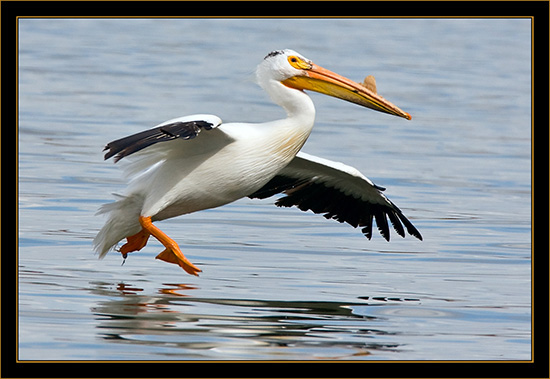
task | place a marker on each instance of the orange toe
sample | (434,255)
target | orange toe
(175,256)
(135,242)
(172,253)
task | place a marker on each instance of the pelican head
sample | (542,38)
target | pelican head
(297,72)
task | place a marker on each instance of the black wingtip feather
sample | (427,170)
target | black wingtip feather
(396,224)
(123,147)
(334,204)
(382,223)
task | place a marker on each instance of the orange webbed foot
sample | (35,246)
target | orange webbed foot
(176,257)
(172,253)
(135,242)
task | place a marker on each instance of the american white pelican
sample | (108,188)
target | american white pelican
(195,162)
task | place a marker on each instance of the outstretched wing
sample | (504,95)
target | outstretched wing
(339,192)
(187,127)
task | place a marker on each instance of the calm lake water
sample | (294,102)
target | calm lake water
(280,284)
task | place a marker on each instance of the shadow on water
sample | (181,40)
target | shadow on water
(175,325)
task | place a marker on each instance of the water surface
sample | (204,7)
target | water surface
(279,284)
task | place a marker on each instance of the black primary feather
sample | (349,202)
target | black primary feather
(334,204)
(128,145)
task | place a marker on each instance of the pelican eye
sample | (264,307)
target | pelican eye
(299,63)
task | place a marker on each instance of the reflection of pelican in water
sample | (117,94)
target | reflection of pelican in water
(204,328)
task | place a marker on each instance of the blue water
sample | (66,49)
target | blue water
(279,284)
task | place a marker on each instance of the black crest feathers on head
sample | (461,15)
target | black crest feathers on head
(273,53)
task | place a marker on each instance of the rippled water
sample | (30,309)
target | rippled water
(280,284)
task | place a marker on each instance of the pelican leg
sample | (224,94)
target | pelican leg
(135,242)
(172,253)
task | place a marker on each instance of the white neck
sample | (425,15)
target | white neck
(297,104)
(289,134)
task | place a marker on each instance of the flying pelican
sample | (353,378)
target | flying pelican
(196,162)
